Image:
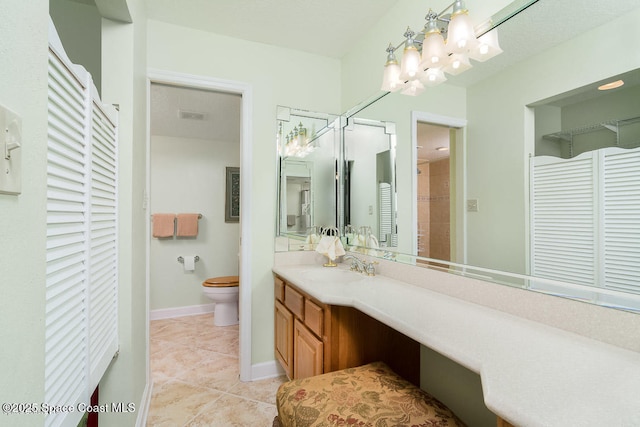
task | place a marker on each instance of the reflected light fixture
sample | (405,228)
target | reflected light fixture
(445,45)
(297,144)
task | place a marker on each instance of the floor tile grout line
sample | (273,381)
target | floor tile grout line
(194,329)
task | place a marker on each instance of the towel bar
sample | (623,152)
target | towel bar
(199,216)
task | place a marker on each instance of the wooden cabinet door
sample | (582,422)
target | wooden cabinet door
(308,352)
(284,338)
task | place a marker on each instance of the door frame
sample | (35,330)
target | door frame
(246,178)
(452,122)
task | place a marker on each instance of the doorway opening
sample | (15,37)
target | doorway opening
(433,191)
(203,132)
(439,187)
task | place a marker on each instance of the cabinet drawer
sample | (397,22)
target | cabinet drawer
(278,288)
(313,317)
(294,301)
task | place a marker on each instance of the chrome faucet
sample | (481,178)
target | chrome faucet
(361,266)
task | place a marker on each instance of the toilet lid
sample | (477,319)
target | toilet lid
(224,281)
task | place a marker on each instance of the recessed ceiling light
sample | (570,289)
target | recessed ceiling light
(611,85)
(442,148)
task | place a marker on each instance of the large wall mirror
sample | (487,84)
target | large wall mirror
(475,156)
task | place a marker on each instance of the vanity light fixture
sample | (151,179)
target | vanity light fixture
(444,45)
(612,85)
(442,148)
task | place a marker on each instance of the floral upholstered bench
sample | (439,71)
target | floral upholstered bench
(369,395)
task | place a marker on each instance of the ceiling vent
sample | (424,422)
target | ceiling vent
(191,115)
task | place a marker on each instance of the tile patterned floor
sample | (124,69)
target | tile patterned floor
(195,371)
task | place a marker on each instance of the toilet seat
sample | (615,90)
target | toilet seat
(222,282)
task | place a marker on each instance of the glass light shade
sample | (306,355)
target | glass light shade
(410,67)
(391,78)
(458,63)
(460,33)
(413,88)
(433,50)
(487,47)
(433,77)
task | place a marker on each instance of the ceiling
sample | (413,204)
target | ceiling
(433,142)
(323,27)
(209,115)
(330,28)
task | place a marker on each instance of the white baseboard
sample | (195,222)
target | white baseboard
(261,371)
(190,310)
(143,410)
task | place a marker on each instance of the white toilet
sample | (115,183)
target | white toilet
(223,291)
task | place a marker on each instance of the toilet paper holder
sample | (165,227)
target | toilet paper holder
(181,259)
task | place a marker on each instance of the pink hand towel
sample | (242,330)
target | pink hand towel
(163,225)
(187,224)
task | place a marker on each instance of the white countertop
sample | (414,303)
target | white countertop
(532,374)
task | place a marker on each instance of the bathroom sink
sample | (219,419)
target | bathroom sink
(330,275)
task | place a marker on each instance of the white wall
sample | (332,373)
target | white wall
(23,89)
(124,83)
(189,175)
(278,77)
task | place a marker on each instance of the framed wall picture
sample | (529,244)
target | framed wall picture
(232,195)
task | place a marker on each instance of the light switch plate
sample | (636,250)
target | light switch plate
(472,205)
(10,152)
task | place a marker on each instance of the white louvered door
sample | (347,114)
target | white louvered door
(585,219)
(385,212)
(81,270)
(563,218)
(67,273)
(103,291)
(621,219)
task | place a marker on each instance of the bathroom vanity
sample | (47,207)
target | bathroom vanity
(312,337)
(532,374)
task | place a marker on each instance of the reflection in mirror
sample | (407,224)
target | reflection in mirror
(585,189)
(307,153)
(369,190)
(544,105)
(435,183)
